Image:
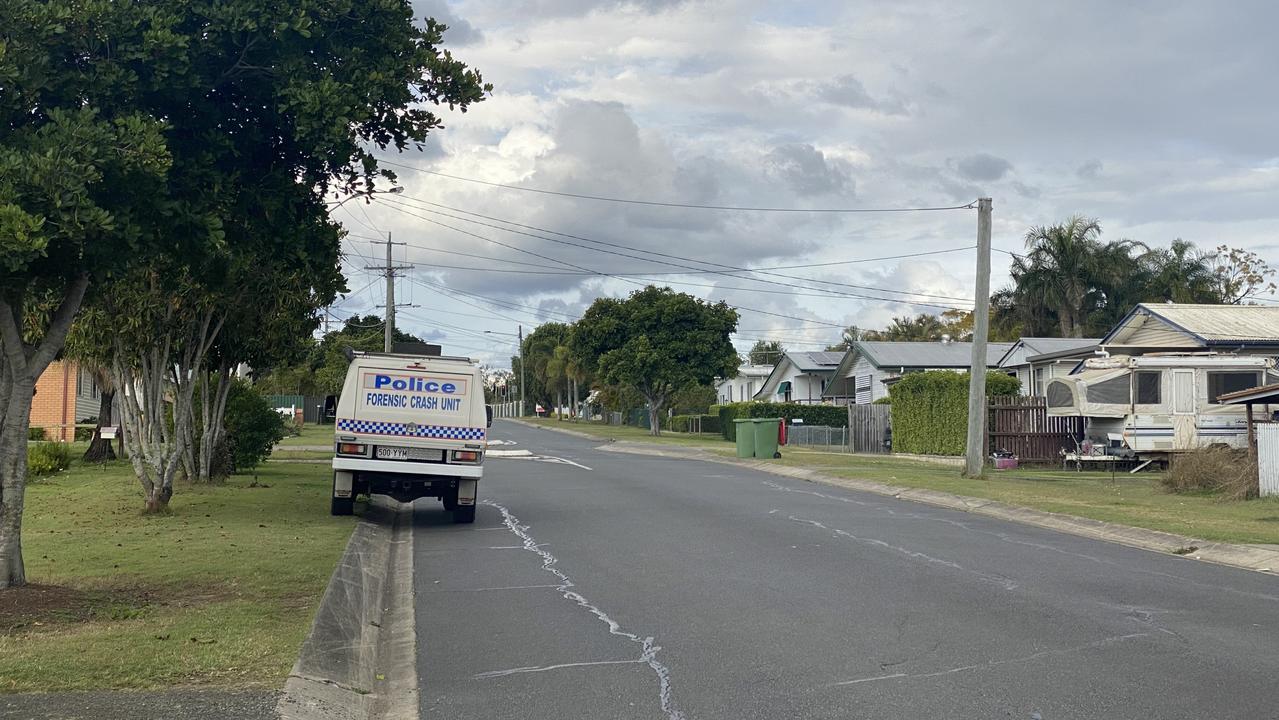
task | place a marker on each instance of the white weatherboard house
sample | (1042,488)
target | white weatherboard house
(864,370)
(1163,327)
(742,386)
(800,377)
(1034,361)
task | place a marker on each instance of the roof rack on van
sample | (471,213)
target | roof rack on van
(352,354)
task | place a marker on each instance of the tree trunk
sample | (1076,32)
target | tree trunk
(213,416)
(13,475)
(100,449)
(559,413)
(22,364)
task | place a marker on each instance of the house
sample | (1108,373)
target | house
(1163,327)
(1033,361)
(65,394)
(863,373)
(742,386)
(800,377)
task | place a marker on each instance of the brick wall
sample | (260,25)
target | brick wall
(54,405)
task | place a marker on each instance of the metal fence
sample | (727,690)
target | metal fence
(822,436)
(507,409)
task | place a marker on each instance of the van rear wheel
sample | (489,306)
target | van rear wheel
(464,514)
(342,506)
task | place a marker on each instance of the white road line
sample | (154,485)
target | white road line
(650,647)
(535,669)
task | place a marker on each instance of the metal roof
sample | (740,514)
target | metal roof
(1044,346)
(928,354)
(1262,394)
(1211,324)
(815,361)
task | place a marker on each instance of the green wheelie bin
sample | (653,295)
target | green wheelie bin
(766,431)
(744,429)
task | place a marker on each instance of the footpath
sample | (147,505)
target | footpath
(1260,558)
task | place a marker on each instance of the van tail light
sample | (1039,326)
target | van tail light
(352,449)
(466,456)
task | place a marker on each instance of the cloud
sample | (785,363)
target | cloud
(807,170)
(460,31)
(848,91)
(983,167)
(1089,170)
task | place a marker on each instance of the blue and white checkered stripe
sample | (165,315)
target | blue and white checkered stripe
(445,432)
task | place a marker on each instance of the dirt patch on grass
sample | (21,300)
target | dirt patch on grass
(35,608)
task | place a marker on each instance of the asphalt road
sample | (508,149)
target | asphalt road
(623,586)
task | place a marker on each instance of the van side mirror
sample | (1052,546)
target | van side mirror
(488,412)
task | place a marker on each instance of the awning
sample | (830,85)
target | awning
(784,387)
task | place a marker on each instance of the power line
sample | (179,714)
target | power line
(732,268)
(658,203)
(400,208)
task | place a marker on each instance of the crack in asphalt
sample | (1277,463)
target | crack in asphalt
(650,648)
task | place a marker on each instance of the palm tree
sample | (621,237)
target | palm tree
(1062,262)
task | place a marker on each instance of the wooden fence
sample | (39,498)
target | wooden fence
(870,428)
(1021,425)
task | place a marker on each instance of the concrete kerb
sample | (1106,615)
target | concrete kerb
(359,661)
(1248,557)
(565,431)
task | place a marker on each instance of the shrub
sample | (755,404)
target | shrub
(35,433)
(824,415)
(46,458)
(930,410)
(1216,469)
(85,434)
(883,401)
(253,427)
(727,414)
(685,423)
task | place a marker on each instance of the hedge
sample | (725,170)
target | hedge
(827,415)
(682,423)
(930,410)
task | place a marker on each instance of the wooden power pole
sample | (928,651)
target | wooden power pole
(976,459)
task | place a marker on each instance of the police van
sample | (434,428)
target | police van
(410,426)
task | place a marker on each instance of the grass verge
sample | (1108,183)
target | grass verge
(311,434)
(1138,500)
(219,592)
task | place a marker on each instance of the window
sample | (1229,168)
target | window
(1039,381)
(1060,394)
(1148,388)
(1115,391)
(1220,383)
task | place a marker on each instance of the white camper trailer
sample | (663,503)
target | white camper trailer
(1152,405)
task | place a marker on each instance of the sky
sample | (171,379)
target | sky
(1150,116)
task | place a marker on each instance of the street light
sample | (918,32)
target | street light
(521,337)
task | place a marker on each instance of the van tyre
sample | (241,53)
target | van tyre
(464,514)
(342,506)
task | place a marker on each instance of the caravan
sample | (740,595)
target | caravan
(1153,405)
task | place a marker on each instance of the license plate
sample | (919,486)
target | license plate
(407,453)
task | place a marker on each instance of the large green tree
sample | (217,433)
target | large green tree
(150,143)
(656,341)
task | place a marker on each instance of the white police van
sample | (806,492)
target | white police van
(410,426)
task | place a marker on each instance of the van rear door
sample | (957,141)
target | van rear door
(416,402)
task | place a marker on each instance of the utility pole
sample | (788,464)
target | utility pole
(975,462)
(521,371)
(389,269)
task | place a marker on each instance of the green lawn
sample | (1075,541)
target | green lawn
(219,592)
(312,434)
(1137,500)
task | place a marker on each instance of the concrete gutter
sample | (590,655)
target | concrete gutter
(360,660)
(1262,558)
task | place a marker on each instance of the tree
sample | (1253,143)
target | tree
(1059,265)
(1240,275)
(656,341)
(765,352)
(142,142)
(543,372)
